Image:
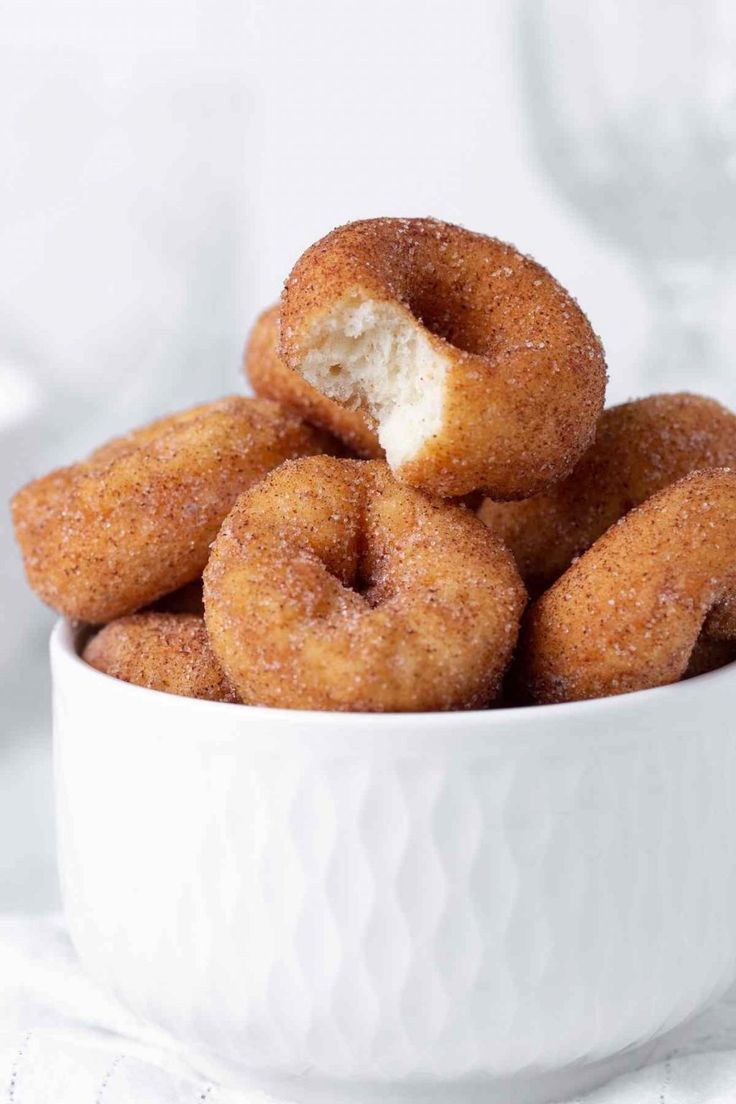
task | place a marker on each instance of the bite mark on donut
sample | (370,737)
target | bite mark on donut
(272,378)
(369,354)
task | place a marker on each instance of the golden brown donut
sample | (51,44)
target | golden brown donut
(479,368)
(271,378)
(640,448)
(111,534)
(332,586)
(627,615)
(163,651)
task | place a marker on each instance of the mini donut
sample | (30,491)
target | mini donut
(331,586)
(111,534)
(640,448)
(628,614)
(163,651)
(272,379)
(479,369)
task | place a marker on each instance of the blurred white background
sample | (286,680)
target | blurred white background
(166,161)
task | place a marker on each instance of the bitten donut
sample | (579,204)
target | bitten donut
(332,586)
(135,521)
(270,377)
(163,651)
(640,448)
(627,615)
(479,369)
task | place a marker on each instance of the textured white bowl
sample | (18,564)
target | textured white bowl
(488,903)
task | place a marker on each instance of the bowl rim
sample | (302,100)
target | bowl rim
(64,649)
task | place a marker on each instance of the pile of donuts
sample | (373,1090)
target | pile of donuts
(424,507)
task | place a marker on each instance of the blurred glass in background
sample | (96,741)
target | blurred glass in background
(633,110)
(166,161)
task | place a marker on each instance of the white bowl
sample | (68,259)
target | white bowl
(490,903)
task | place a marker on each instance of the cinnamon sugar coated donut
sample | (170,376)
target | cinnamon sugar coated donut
(332,586)
(627,615)
(272,379)
(478,367)
(135,521)
(640,447)
(163,651)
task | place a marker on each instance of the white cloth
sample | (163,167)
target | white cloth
(64,1041)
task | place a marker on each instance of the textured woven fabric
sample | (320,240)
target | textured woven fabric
(64,1041)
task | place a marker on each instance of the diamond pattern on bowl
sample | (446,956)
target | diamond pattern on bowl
(398,906)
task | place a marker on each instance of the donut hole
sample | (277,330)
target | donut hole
(375,356)
(368,580)
(367,589)
(447,315)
